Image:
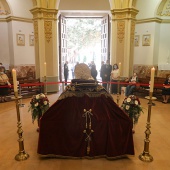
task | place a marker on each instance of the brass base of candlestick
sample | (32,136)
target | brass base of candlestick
(146,157)
(21,156)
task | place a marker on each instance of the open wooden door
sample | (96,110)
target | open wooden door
(62,46)
(105,40)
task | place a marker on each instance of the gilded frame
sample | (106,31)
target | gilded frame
(31,40)
(136,40)
(20,39)
(146,40)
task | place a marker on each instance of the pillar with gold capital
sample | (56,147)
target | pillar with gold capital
(45,32)
(122,34)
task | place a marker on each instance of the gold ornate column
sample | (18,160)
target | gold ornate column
(122,38)
(45,32)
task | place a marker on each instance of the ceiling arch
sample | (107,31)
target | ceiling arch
(119,4)
(4,8)
(164,8)
(51,4)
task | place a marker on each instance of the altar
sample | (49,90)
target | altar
(85,122)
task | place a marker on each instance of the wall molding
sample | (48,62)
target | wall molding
(158,20)
(140,21)
(14,18)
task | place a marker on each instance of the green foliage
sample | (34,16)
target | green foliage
(83,32)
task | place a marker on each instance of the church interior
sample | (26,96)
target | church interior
(136,34)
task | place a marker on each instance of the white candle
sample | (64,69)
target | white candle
(45,67)
(14,75)
(152,79)
(119,69)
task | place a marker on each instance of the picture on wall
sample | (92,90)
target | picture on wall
(146,40)
(21,39)
(136,40)
(31,40)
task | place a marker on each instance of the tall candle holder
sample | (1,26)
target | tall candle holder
(118,87)
(145,156)
(45,85)
(22,155)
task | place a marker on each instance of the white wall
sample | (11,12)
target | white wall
(4,47)
(144,54)
(11,47)
(147,8)
(164,43)
(20,8)
(23,54)
(156,44)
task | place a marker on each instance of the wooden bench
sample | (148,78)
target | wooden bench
(27,87)
(143,87)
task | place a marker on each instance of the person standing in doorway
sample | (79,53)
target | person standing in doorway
(93,71)
(66,70)
(114,79)
(102,72)
(106,72)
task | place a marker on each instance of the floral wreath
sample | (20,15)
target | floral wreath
(132,106)
(39,104)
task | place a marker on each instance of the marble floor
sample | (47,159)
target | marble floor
(159,142)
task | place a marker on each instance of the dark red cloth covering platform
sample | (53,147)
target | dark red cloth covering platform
(63,130)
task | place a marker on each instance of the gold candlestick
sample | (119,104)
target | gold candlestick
(145,156)
(45,85)
(118,96)
(22,155)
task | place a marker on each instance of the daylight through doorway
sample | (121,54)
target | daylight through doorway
(83,42)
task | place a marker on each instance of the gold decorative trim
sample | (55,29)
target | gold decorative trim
(48,30)
(13,18)
(120,30)
(43,13)
(132,31)
(164,8)
(88,128)
(3,20)
(36,31)
(125,10)
(158,20)
(120,16)
(85,157)
(48,15)
(166,21)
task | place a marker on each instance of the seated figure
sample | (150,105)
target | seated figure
(4,83)
(132,85)
(85,122)
(166,90)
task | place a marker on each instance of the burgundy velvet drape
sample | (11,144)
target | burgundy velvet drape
(61,128)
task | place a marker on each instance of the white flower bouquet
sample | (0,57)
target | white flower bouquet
(132,106)
(39,104)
